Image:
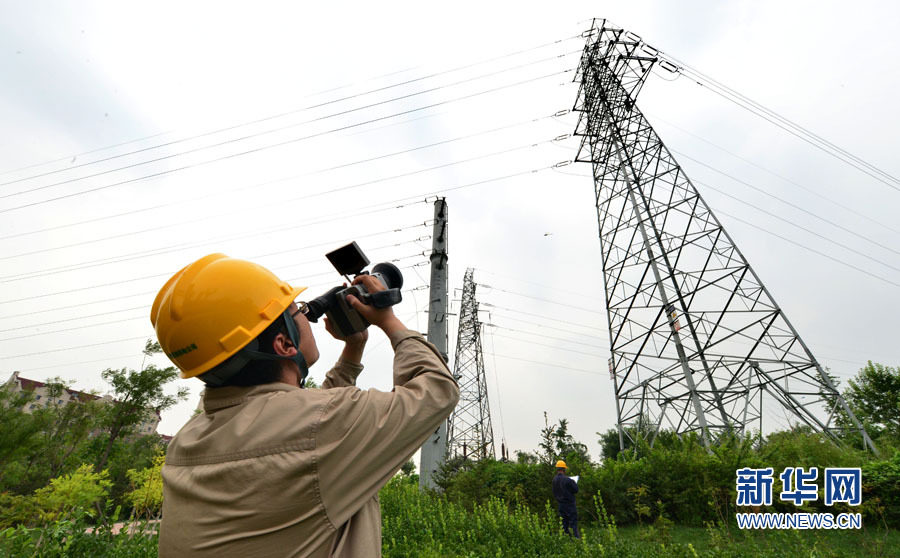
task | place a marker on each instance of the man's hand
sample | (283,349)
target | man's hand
(355,339)
(354,344)
(384,318)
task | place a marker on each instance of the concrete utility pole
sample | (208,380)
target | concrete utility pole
(434,450)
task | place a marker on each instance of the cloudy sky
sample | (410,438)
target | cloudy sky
(138,137)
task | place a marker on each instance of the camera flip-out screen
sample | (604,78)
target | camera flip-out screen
(348,260)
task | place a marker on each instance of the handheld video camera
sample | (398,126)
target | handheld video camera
(350,260)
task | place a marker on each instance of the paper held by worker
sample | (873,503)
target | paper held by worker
(575,478)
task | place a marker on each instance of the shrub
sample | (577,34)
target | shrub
(146,494)
(66,494)
(74,537)
(881,490)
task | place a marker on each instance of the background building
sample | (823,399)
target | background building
(42,397)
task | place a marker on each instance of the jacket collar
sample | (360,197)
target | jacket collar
(219,398)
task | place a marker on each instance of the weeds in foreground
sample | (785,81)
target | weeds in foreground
(75,536)
(417,524)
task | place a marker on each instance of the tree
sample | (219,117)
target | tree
(609,443)
(44,443)
(136,394)
(63,431)
(146,493)
(644,433)
(17,434)
(409,468)
(80,490)
(557,443)
(874,397)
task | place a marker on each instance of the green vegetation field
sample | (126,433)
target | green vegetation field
(65,490)
(426,525)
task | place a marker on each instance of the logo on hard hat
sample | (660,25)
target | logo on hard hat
(183,351)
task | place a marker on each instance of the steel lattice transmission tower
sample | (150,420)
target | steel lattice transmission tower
(471,435)
(698,343)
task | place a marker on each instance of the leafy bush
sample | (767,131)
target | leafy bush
(70,493)
(146,489)
(417,524)
(881,490)
(16,509)
(679,479)
(75,537)
(517,484)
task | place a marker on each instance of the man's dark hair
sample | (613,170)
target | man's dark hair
(259,372)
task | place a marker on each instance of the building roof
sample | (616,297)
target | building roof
(31,385)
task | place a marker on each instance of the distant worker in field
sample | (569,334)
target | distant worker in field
(564,490)
(268,468)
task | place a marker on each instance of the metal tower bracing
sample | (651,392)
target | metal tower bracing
(471,435)
(698,343)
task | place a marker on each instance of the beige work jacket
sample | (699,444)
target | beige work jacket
(274,470)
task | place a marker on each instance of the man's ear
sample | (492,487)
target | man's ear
(283,346)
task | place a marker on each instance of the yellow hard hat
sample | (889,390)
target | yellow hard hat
(561,464)
(213,308)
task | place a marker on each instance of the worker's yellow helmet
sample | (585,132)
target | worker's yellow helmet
(213,308)
(561,464)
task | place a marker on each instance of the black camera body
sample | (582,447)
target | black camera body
(350,260)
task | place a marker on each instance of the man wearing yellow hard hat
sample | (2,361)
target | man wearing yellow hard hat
(269,468)
(564,490)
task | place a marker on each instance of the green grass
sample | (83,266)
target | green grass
(422,525)
(417,525)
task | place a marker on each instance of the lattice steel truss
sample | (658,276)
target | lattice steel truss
(471,435)
(698,343)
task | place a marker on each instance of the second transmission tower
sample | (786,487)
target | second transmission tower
(471,435)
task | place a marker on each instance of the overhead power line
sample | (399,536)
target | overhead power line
(270,131)
(808,190)
(170,273)
(545,336)
(294,140)
(801,245)
(181,201)
(281,202)
(546,364)
(813,250)
(75,156)
(58,321)
(84,346)
(544,326)
(810,231)
(145,314)
(170,248)
(542,317)
(145,307)
(789,126)
(782,200)
(68,365)
(406,199)
(32,312)
(530,342)
(546,287)
(582,308)
(270,117)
